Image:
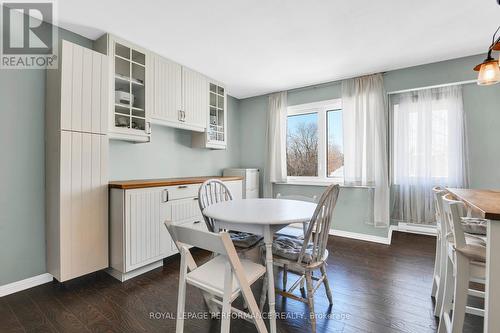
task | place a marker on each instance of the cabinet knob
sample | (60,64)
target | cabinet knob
(196,222)
(182,186)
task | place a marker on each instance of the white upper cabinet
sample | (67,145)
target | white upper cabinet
(215,136)
(195,98)
(83,97)
(148,88)
(130,87)
(180,96)
(167,91)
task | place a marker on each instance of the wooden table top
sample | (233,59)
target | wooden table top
(485,202)
(143,183)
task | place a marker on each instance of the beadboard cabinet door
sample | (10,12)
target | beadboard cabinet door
(167,81)
(83,204)
(83,85)
(195,98)
(148,239)
(142,227)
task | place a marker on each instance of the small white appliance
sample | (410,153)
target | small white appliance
(250,180)
(123,97)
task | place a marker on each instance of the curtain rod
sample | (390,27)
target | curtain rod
(431,87)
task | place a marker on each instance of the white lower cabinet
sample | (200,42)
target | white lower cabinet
(143,227)
(139,240)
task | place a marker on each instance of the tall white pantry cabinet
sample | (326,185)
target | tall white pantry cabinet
(77,99)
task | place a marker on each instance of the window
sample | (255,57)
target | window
(335,146)
(427,137)
(302,145)
(424,146)
(428,148)
(314,145)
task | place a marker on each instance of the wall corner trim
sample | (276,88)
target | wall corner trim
(364,237)
(21,285)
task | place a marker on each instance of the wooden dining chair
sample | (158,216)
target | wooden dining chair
(308,255)
(213,191)
(293,230)
(224,276)
(465,261)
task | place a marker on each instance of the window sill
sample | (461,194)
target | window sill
(321,183)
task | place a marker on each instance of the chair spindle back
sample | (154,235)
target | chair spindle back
(212,191)
(319,227)
(453,210)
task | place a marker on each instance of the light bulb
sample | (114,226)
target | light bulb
(489,73)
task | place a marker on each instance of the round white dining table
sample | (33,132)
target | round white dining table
(261,217)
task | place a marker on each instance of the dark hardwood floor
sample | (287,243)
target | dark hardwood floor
(376,288)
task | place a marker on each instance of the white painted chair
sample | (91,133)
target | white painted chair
(224,277)
(213,191)
(441,251)
(465,261)
(442,247)
(293,230)
(311,257)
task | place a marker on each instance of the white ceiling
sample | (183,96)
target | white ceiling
(257,47)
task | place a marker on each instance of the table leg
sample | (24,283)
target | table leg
(268,240)
(492,296)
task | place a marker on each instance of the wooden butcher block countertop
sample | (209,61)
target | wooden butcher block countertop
(143,183)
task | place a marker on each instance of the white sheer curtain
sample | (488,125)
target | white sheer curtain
(365,140)
(275,170)
(428,149)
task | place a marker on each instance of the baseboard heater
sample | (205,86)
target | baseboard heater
(417,228)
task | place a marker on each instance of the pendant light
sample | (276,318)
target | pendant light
(489,69)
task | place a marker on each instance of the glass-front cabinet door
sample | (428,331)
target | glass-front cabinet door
(216,131)
(129,114)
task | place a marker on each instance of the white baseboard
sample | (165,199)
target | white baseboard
(28,283)
(136,272)
(429,230)
(363,237)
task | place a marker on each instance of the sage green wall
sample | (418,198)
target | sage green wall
(22,170)
(482,108)
(169,154)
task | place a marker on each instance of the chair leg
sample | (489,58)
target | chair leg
(443,258)
(447,303)
(226,316)
(310,300)
(285,277)
(460,294)
(437,268)
(263,294)
(226,300)
(181,298)
(327,285)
